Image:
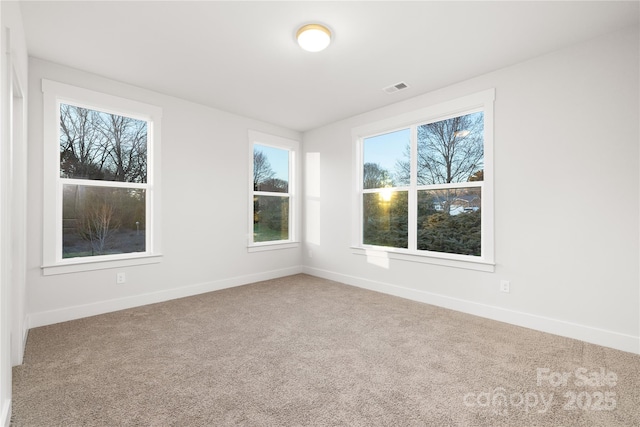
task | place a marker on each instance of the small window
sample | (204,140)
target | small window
(273,214)
(426,185)
(100,180)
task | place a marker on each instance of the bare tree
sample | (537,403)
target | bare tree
(97,223)
(125,147)
(450,150)
(375,176)
(80,143)
(97,145)
(262,171)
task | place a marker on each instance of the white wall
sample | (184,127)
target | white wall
(204,209)
(566,199)
(567,202)
(13,78)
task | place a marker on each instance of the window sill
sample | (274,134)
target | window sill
(378,256)
(272,246)
(74,266)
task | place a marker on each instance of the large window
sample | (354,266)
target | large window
(100,179)
(425,184)
(273,212)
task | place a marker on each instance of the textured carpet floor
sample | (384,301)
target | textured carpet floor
(304,351)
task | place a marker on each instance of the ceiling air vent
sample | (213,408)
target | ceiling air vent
(396,87)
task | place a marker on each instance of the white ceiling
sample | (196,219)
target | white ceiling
(241,56)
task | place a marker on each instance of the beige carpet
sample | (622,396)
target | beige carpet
(304,351)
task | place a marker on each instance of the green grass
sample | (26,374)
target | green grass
(264,234)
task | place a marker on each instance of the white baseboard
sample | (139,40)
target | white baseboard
(18,346)
(5,417)
(44,318)
(589,334)
(563,328)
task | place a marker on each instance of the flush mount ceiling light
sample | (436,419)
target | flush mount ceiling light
(313,37)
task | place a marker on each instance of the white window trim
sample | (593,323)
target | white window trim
(293,146)
(55,93)
(480,101)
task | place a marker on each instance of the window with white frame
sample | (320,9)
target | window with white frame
(273,205)
(101,180)
(425,184)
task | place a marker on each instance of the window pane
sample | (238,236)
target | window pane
(449,221)
(102,221)
(451,150)
(385,218)
(270,169)
(386,160)
(270,218)
(101,146)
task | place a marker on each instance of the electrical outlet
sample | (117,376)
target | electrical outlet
(505,286)
(121,278)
